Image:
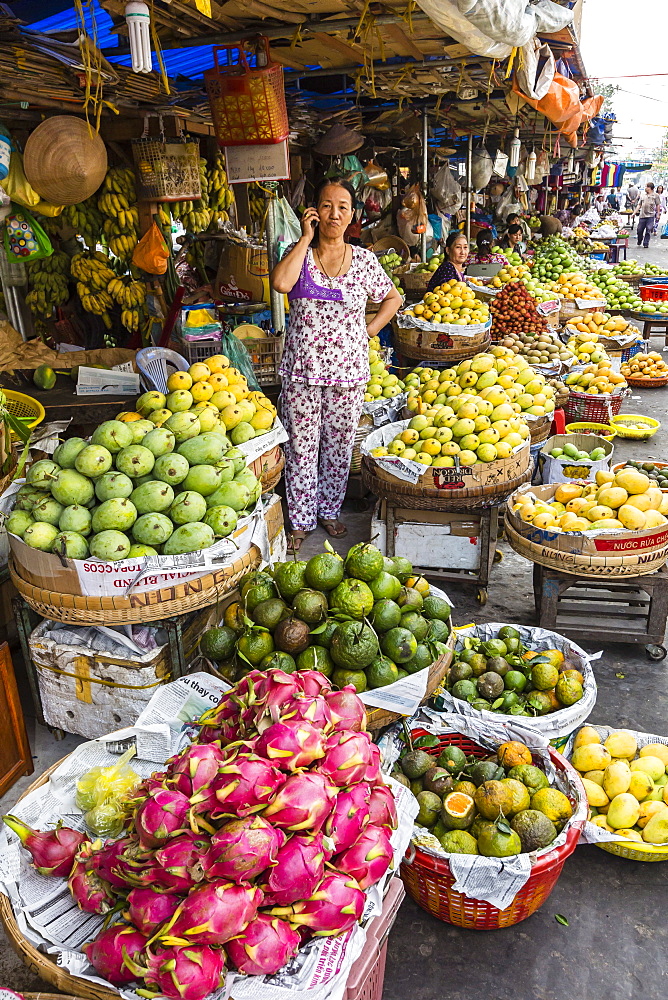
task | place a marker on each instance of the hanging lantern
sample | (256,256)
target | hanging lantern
(138,19)
(530,169)
(515,147)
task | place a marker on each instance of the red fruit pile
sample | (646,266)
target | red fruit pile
(514,311)
(263,833)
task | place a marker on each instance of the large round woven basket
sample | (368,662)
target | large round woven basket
(269,467)
(377,718)
(65,160)
(540,428)
(422,498)
(152,605)
(429,881)
(581,564)
(416,344)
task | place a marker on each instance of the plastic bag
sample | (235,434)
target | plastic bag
(375,202)
(377,177)
(151,253)
(287,226)
(353,172)
(446,191)
(542,166)
(536,69)
(17,185)
(494,27)
(24,237)
(414,202)
(103,783)
(559,104)
(482,168)
(500,163)
(508,203)
(239,357)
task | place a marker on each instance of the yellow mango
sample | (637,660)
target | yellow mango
(603,476)
(656,831)
(595,776)
(586,736)
(622,743)
(591,757)
(632,481)
(602,822)
(616,778)
(640,501)
(612,496)
(567,491)
(631,517)
(629,835)
(595,794)
(650,765)
(653,519)
(641,785)
(655,495)
(649,809)
(659,750)
(623,811)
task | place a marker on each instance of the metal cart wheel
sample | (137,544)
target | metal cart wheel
(481,597)
(656,653)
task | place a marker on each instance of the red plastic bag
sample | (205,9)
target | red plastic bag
(561,102)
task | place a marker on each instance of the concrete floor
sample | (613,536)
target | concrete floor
(617,936)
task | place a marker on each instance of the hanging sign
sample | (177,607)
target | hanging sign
(257,163)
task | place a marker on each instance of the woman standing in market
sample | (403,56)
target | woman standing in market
(325,364)
(456,255)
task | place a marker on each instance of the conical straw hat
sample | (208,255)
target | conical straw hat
(65,160)
(339,140)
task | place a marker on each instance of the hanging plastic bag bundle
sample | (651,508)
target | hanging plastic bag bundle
(24,237)
(151,253)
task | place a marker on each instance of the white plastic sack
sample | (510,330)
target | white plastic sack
(482,168)
(446,191)
(405,218)
(508,203)
(494,27)
(530,80)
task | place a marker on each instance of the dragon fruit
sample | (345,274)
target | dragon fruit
(290,745)
(264,947)
(148,909)
(114,950)
(382,807)
(130,866)
(349,816)
(242,849)
(212,914)
(348,757)
(348,711)
(369,857)
(311,708)
(335,907)
(163,814)
(373,775)
(195,769)
(299,868)
(89,891)
(303,803)
(191,972)
(105,861)
(53,851)
(178,864)
(245,785)
(313,683)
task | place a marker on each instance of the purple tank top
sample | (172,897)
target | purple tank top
(306,288)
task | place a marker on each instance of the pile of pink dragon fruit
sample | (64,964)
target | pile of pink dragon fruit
(260,835)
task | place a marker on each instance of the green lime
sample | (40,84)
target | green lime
(410,599)
(354,645)
(269,613)
(340,678)
(385,615)
(310,606)
(436,607)
(453,759)
(364,561)
(439,631)
(250,579)
(381,671)
(322,635)
(399,644)
(218,643)
(416,624)
(402,568)
(316,658)
(423,658)
(515,680)
(385,586)
(255,644)
(508,632)
(279,661)
(324,571)
(256,594)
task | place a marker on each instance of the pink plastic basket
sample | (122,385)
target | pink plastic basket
(367,975)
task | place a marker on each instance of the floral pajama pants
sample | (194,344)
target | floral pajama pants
(321,421)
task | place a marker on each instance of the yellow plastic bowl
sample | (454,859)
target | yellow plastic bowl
(20,405)
(650,426)
(583,427)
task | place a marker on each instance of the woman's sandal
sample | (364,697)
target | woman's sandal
(296,538)
(334,528)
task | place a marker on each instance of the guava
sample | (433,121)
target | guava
(137,551)
(76,518)
(112,435)
(149,402)
(159,441)
(171,469)
(179,401)
(117,515)
(189,538)
(17,522)
(234,495)
(242,432)
(236,456)
(93,461)
(139,430)
(152,529)
(70,487)
(66,453)
(205,449)
(113,485)
(48,510)
(40,535)
(70,544)
(153,497)
(183,425)
(203,479)
(188,506)
(41,474)
(110,546)
(135,461)
(222,519)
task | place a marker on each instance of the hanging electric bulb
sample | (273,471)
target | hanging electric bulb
(138,18)
(515,147)
(530,169)
(571,162)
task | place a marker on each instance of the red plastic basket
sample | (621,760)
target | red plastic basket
(366,978)
(580,406)
(654,293)
(247,105)
(429,882)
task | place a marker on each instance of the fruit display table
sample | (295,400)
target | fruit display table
(650,325)
(62,402)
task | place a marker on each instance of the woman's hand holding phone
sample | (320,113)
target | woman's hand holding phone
(310,220)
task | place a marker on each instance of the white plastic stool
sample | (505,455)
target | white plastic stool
(153,363)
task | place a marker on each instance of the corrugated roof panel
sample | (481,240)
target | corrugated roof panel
(67,21)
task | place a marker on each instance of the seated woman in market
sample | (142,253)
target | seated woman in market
(456,255)
(483,252)
(325,365)
(513,240)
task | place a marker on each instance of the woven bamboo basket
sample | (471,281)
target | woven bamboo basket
(416,344)
(540,429)
(378,718)
(423,498)
(578,564)
(414,281)
(152,605)
(647,383)
(388,244)
(569,310)
(631,279)
(268,468)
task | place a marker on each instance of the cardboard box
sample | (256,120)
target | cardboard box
(454,538)
(243,274)
(573,470)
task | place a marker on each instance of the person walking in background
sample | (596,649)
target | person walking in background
(632,196)
(613,200)
(648,212)
(660,226)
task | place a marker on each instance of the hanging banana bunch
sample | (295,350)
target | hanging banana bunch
(221,195)
(93,274)
(256,203)
(117,201)
(195,216)
(131,296)
(86,219)
(48,280)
